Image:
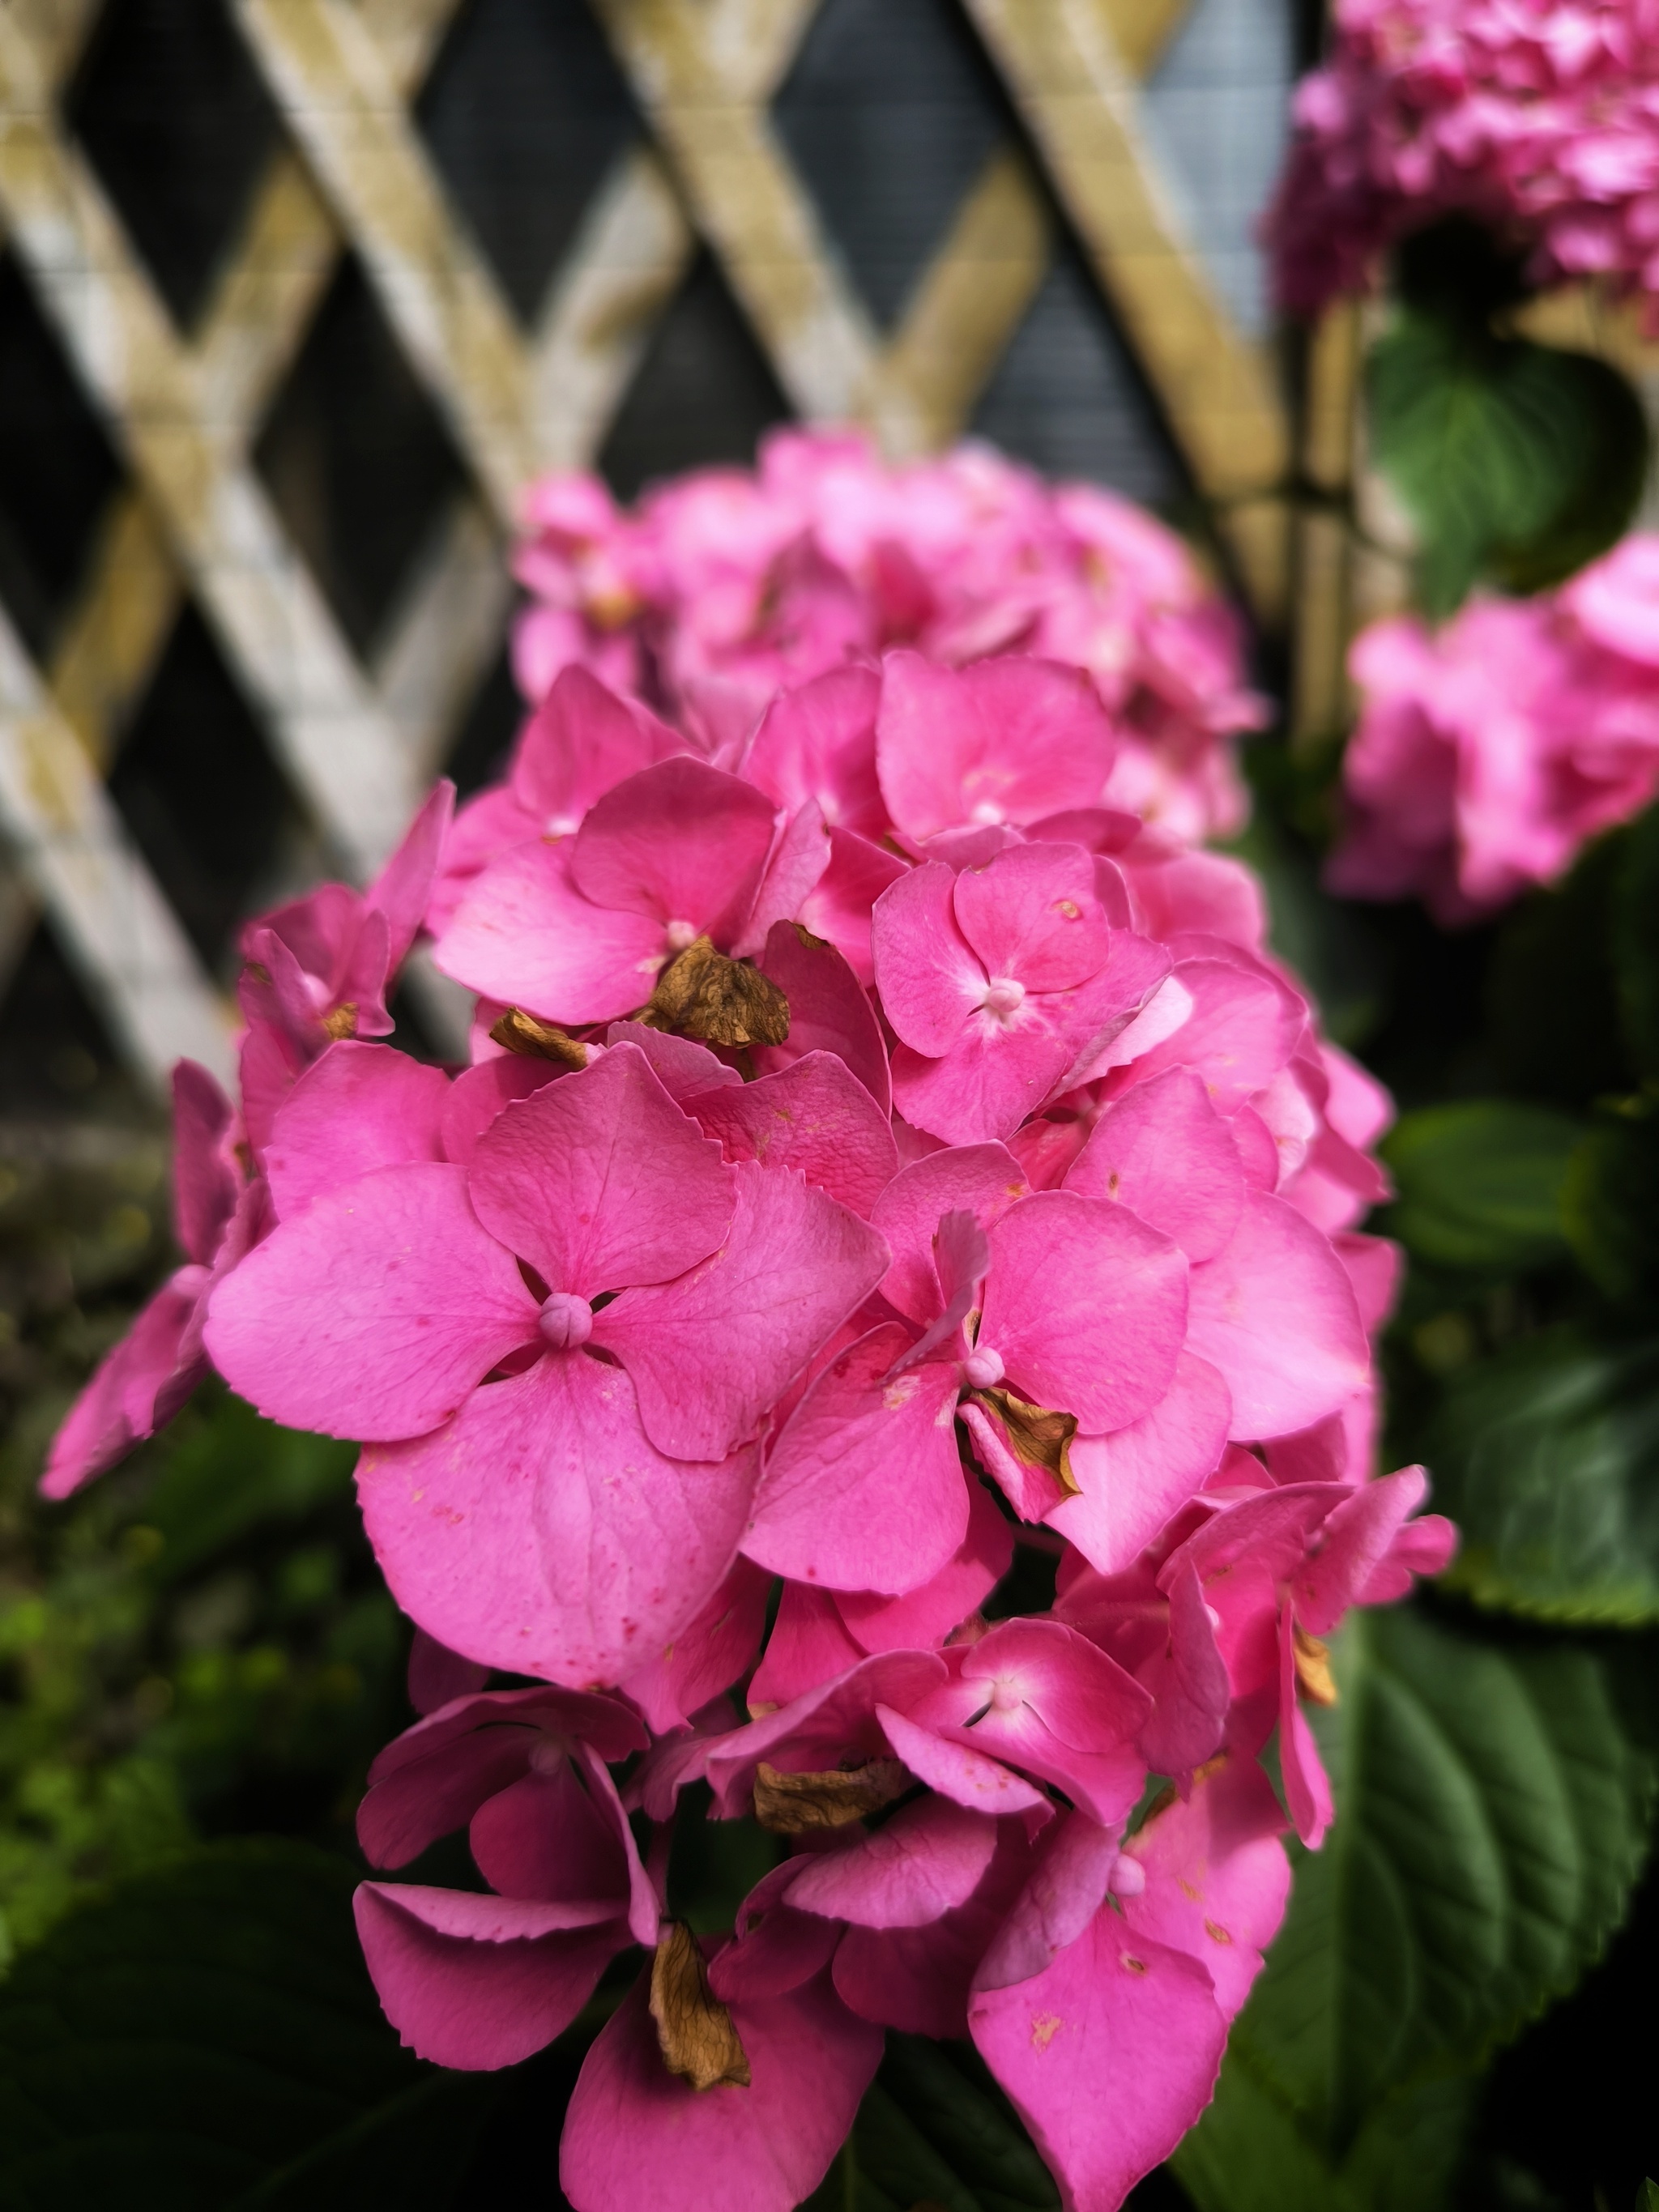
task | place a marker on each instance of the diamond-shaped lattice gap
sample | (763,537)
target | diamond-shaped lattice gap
(56,1055)
(524,111)
(1068,396)
(56,472)
(355,458)
(889,113)
(703,392)
(478,755)
(177,122)
(202,795)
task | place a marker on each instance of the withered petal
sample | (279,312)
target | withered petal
(693,2028)
(791,1804)
(1038,1436)
(518,1031)
(703,995)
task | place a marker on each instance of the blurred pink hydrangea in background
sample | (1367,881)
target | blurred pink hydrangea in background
(1488,751)
(1538,119)
(720,586)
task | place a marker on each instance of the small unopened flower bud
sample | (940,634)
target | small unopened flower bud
(565,1320)
(983,1368)
(1005,995)
(680,934)
(1128,1877)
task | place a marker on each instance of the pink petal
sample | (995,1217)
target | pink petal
(436,1675)
(964,1776)
(773,1948)
(814,1115)
(832,1722)
(1269,1533)
(925,1616)
(919,1980)
(1003,740)
(1189,1683)
(709,1654)
(838,906)
(373,1313)
(1355,1541)
(819,741)
(1276,1313)
(1033,915)
(541,1532)
(929,977)
(525,935)
(1307,1787)
(479,1982)
(544,1837)
(204,1183)
(680,842)
(988,1084)
(684,1068)
(982,1180)
(799,856)
(478,1094)
(1133,1481)
(1217,1880)
(809,1648)
(828,1509)
(435,1775)
(401,890)
(601,1181)
(793,1265)
(1056,1905)
(1164,1152)
(635,2136)
(1110,2056)
(358,1107)
(579,742)
(827,1010)
(1241,1031)
(151,1367)
(1085,1306)
(916,1866)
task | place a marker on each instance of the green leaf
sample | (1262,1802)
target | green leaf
(1547,1458)
(230,1472)
(935,2129)
(208,2038)
(1479,1184)
(1610,1202)
(1493,1801)
(1514,459)
(1635,939)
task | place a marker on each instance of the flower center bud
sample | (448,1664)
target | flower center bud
(1004,995)
(680,934)
(1127,1878)
(984,1368)
(565,1320)
(986,814)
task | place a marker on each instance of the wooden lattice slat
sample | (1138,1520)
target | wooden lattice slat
(357,741)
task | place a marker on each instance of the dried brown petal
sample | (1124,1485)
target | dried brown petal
(790,1804)
(699,2042)
(1037,1437)
(518,1031)
(343,1022)
(703,995)
(1313,1667)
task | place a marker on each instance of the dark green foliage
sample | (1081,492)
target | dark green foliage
(1479,1184)
(209,2037)
(1494,1796)
(1516,462)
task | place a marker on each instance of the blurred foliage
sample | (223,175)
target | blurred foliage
(198,1644)
(1516,462)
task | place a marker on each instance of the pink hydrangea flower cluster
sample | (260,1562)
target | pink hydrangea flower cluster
(724,584)
(879,1153)
(1537,118)
(1488,751)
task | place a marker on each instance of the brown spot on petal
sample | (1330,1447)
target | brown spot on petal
(1313,1667)
(702,995)
(693,2028)
(1036,1436)
(791,1804)
(1216,1933)
(343,1022)
(1135,1965)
